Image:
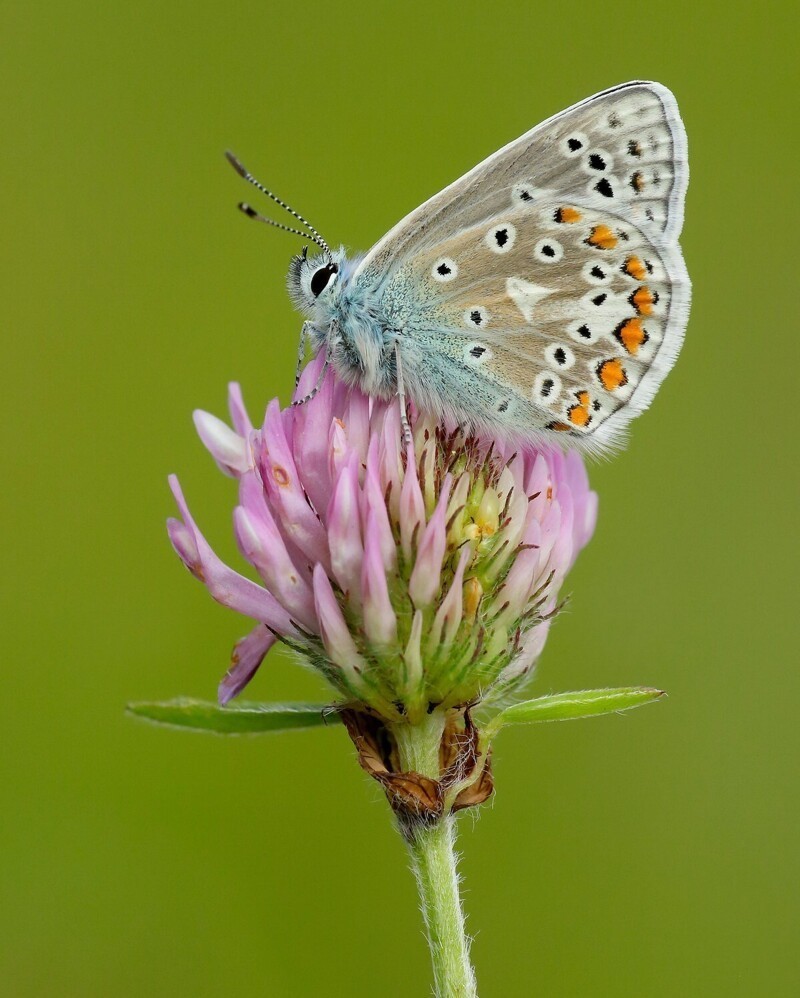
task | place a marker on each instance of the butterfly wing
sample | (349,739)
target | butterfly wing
(544,292)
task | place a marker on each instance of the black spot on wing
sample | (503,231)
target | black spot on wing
(596,161)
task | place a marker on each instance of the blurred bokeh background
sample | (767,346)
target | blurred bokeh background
(649,854)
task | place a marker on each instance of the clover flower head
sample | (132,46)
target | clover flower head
(411,578)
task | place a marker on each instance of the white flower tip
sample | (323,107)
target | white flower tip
(228,449)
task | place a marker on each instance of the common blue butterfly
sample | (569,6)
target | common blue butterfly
(541,298)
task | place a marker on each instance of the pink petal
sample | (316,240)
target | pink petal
(356,422)
(380,623)
(226,586)
(391,458)
(336,637)
(229,450)
(563,553)
(412,509)
(248,654)
(261,543)
(344,531)
(423,586)
(522,581)
(182,540)
(450,613)
(282,484)
(312,424)
(532,646)
(538,485)
(338,449)
(585,520)
(239,418)
(376,506)
(551,524)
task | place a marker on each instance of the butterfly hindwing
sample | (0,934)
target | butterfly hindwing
(544,291)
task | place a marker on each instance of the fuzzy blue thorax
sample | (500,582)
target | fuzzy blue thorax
(346,321)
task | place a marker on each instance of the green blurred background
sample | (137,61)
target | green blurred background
(649,854)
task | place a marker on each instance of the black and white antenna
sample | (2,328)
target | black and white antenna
(312,233)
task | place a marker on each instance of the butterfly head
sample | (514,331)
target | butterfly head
(314,281)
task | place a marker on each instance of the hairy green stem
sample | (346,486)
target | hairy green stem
(433,860)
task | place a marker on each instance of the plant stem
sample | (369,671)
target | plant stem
(433,860)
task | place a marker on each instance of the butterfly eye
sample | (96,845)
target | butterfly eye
(322,278)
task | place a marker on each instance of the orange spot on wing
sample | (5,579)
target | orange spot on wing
(631,334)
(612,374)
(561,427)
(635,268)
(602,237)
(568,215)
(643,300)
(579,414)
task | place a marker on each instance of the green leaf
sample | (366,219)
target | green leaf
(239,719)
(567,706)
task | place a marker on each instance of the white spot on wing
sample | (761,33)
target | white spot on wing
(574,144)
(476,317)
(476,354)
(501,237)
(525,295)
(548,250)
(559,356)
(597,272)
(598,162)
(523,193)
(546,388)
(445,269)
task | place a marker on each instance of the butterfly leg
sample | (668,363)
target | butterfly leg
(401,394)
(301,352)
(315,390)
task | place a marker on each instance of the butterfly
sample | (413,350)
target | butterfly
(541,298)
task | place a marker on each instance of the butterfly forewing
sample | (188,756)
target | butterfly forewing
(544,292)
